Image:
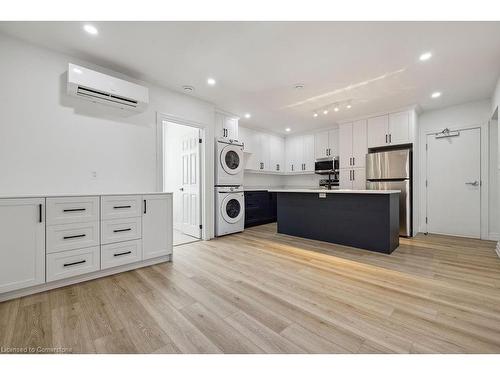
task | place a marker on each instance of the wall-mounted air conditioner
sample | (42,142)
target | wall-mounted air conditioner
(102,88)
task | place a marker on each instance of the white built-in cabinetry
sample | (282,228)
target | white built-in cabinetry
(352,154)
(48,239)
(264,152)
(22,243)
(391,129)
(326,144)
(226,125)
(300,154)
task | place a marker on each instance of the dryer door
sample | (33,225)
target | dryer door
(231,159)
(232,208)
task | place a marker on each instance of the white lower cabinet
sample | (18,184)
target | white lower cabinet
(72,263)
(121,253)
(22,243)
(157,226)
(82,235)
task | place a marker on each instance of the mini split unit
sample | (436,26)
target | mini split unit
(102,88)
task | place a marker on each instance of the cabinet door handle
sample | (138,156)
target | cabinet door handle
(124,253)
(353,175)
(292,167)
(74,263)
(386,139)
(74,209)
(145,206)
(40,219)
(75,236)
(118,207)
(122,230)
(390,138)
(353,161)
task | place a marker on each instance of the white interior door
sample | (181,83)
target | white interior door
(190,189)
(454,184)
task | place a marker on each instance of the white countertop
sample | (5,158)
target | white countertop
(54,195)
(334,191)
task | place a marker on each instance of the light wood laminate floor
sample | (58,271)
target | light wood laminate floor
(261,292)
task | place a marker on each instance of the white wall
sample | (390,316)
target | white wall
(258,180)
(51,143)
(495,105)
(463,115)
(494,190)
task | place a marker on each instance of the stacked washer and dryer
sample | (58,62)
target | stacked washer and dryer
(229,195)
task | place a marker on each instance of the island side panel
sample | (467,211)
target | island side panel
(366,221)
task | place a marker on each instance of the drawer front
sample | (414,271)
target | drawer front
(118,254)
(72,210)
(72,236)
(72,263)
(121,206)
(119,230)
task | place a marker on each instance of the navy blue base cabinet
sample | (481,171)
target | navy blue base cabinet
(260,208)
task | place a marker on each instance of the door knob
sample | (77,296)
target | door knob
(473,183)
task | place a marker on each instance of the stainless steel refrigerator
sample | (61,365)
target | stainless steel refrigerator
(391,170)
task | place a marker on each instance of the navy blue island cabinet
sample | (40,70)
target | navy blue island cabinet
(365,219)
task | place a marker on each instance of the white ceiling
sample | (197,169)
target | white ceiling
(375,65)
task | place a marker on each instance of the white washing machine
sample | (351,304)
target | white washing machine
(229,210)
(228,163)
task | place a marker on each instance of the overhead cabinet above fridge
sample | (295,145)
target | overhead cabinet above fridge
(391,129)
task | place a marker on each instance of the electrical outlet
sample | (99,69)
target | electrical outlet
(93,174)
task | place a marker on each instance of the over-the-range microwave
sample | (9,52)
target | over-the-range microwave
(326,166)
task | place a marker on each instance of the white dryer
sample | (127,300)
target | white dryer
(228,163)
(229,210)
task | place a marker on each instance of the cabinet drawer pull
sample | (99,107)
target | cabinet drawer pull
(118,207)
(74,263)
(122,230)
(74,209)
(145,207)
(124,253)
(75,236)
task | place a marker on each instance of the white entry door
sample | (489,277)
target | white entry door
(454,183)
(190,189)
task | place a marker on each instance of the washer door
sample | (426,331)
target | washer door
(231,159)
(232,208)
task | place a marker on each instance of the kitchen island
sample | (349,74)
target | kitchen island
(366,219)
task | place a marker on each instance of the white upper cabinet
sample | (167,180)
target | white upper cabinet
(321,145)
(392,129)
(277,154)
(378,131)
(226,126)
(345,145)
(399,128)
(308,158)
(359,143)
(300,154)
(22,243)
(326,144)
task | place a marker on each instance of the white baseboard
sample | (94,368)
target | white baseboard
(81,278)
(494,237)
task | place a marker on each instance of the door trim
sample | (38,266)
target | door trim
(483,150)
(160,118)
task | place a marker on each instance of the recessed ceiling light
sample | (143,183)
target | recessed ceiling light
(435,95)
(188,89)
(248,115)
(325,112)
(425,56)
(336,109)
(288,129)
(348,106)
(91,29)
(315,114)
(298,86)
(211,81)
(77,70)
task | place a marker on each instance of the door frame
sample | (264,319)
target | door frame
(484,173)
(160,118)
